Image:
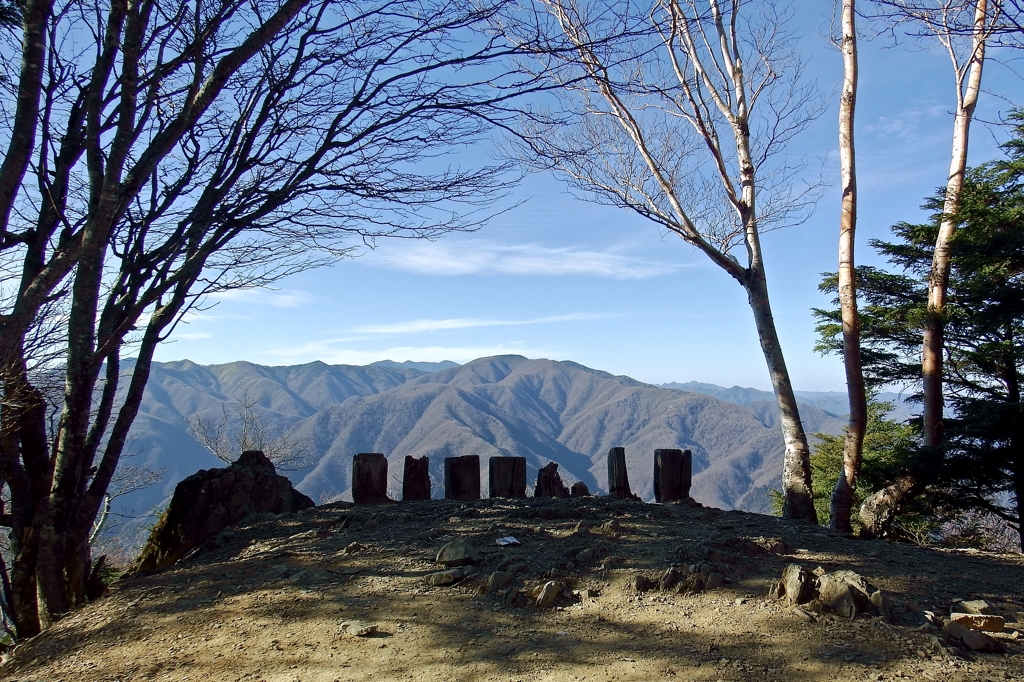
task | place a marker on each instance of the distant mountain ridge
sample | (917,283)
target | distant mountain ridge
(507,405)
(834,402)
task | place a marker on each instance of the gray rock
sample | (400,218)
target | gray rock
(979,606)
(357,628)
(714,581)
(669,579)
(458,553)
(498,581)
(442,578)
(548,594)
(585,556)
(979,641)
(955,630)
(796,585)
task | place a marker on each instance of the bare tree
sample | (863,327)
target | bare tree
(943,21)
(846,483)
(245,428)
(159,151)
(679,117)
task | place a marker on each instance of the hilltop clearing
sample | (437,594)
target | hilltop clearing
(267,601)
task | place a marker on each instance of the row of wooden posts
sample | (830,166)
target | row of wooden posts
(507,477)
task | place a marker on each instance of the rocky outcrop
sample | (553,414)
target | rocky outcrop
(210,500)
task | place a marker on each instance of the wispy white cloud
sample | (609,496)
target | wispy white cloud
(189,336)
(474,256)
(279,298)
(905,124)
(460,354)
(420,326)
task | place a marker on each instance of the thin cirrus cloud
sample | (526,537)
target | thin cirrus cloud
(473,257)
(280,298)
(424,326)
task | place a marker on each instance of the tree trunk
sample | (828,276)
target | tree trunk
(938,281)
(878,510)
(846,484)
(798,500)
(23,583)
(416,478)
(672,474)
(369,478)
(618,476)
(549,483)
(506,476)
(462,478)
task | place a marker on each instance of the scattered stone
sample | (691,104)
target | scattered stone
(641,583)
(588,593)
(714,581)
(579,489)
(978,621)
(797,585)
(442,578)
(979,641)
(669,579)
(692,583)
(498,581)
(977,606)
(548,594)
(955,630)
(585,556)
(371,524)
(353,547)
(357,628)
(511,596)
(610,527)
(581,528)
(457,553)
(773,545)
(517,567)
(210,500)
(844,593)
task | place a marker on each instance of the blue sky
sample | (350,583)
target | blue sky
(561,278)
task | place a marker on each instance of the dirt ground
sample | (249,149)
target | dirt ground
(265,601)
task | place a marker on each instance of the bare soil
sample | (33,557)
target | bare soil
(265,601)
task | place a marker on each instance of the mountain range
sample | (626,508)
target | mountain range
(507,405)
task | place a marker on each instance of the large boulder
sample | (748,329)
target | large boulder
(210,500)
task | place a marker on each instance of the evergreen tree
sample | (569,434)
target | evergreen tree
(980,464)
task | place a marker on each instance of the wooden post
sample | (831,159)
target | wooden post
(416,482)
(618,479)
(549,483)
(462,477)
(672,474)
(369,478)
(507,476)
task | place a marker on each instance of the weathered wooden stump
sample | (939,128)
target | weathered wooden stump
(672,474)
(462,477)
(549,483)
(506,476)
(618,478)
(416,481)
(369,478)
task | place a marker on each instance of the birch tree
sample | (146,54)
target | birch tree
(846,483)
(680,114)
(943,21)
